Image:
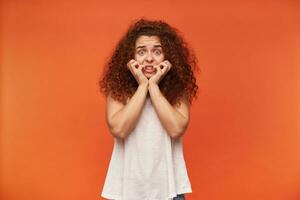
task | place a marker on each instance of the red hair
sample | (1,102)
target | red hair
(177,83)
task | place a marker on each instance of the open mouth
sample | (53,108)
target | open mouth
(149,69)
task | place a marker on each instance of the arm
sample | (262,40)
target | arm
(175,120)
(122,119)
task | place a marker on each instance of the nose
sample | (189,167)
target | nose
(149,57)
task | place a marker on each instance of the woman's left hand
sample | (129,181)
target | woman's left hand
(161,70)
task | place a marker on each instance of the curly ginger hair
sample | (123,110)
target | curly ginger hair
(179,82)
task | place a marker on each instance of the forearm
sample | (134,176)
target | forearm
(173,121)
(125,120)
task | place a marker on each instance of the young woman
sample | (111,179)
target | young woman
(149,85)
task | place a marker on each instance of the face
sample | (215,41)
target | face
(148,52)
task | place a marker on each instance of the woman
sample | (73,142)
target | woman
(149,86)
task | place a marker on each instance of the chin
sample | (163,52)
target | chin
(148,76)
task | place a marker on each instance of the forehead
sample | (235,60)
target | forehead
(147,40)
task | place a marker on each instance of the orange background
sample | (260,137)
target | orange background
(243,141)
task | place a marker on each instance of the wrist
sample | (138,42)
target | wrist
(144,85)
(152,84)
(153,87)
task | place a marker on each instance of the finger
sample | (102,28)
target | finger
(158,69)
(130,62)
(139,69)
(161,65)
(129,66)
(167,62)
(135,65)
(165,67)
(169,65)
(132,68)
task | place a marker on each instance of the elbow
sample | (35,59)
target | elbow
(116,129)
(179,130)
(176,135)
(118,133)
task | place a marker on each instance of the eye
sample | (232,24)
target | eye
(141,52)
(157,52)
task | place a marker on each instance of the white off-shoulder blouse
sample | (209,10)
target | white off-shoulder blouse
(148,164)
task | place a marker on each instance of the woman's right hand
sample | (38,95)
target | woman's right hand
(136,71)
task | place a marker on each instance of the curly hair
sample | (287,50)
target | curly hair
(177,83)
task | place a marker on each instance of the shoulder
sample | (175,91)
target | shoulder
(183,106)
(112,100)
(183,102)
(112,106)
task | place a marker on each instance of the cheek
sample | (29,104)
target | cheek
(159,58)
(138,58)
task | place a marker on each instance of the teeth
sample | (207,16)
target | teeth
(149,69)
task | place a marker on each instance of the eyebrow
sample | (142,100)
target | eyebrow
(143,46)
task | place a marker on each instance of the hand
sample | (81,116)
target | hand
(136,71)
(161,70)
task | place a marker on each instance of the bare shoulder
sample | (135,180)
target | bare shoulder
(112,107)
(184,107)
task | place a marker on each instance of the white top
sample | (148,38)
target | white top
(148,164)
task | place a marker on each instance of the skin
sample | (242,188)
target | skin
(122,119)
